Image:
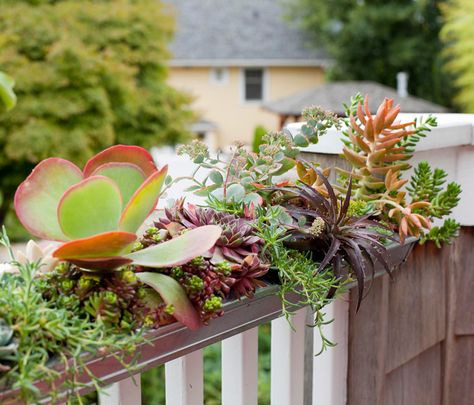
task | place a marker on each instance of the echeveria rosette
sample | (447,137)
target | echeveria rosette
(96,212)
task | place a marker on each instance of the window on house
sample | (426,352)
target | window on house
(253,86)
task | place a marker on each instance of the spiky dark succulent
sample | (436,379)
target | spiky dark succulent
(236,242)
(324,226)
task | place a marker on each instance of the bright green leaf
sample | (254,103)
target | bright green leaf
(143,202)
(7,96)
(90,207)
(127,176)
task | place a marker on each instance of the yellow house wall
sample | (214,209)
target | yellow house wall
(223,104)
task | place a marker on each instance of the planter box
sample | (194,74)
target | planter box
(175,340)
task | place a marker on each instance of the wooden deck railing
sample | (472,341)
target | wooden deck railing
(181,351)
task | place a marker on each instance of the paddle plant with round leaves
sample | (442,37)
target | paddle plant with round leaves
(97,211)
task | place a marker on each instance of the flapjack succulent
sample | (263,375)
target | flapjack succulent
(97,212)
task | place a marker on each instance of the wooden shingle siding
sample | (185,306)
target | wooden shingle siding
(412,342)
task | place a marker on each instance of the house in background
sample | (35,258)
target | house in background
(235,55)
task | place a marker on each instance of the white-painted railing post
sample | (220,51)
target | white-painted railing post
(240,369)
(125,392)
(184,380)
(330,368)
(287,359)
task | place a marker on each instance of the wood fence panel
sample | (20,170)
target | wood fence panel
(461,381)
(412,342)
(416,382)
(417,306)
(464,283)
(367,339)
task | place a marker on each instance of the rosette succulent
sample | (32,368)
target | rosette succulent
(237,241)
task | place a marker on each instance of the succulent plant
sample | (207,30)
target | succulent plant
(307,175)
(237,240)
(378,147)
(247,276)
(35,253)
(323,225)
(97,212)
(117,299)
(206,285)
(8,346)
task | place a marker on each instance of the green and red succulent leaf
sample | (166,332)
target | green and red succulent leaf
(122,153)
(179,250)
(38,197)
(173,295)
(90,207)
(102,245)
(143,202)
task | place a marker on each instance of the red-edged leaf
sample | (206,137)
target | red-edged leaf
(37,198)
(173,294)
(178,250)
(90,207)
(98,246)
(103,264)
(127,176)
(143,202)
(122,153)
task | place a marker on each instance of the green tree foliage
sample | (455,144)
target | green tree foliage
(89,74)
(458,34)
(375,39)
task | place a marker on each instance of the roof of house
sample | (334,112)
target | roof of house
(331,96)
(238,33)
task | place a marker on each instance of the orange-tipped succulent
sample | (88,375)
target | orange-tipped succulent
(377,148)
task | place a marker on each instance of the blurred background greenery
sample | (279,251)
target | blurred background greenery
(88,74)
